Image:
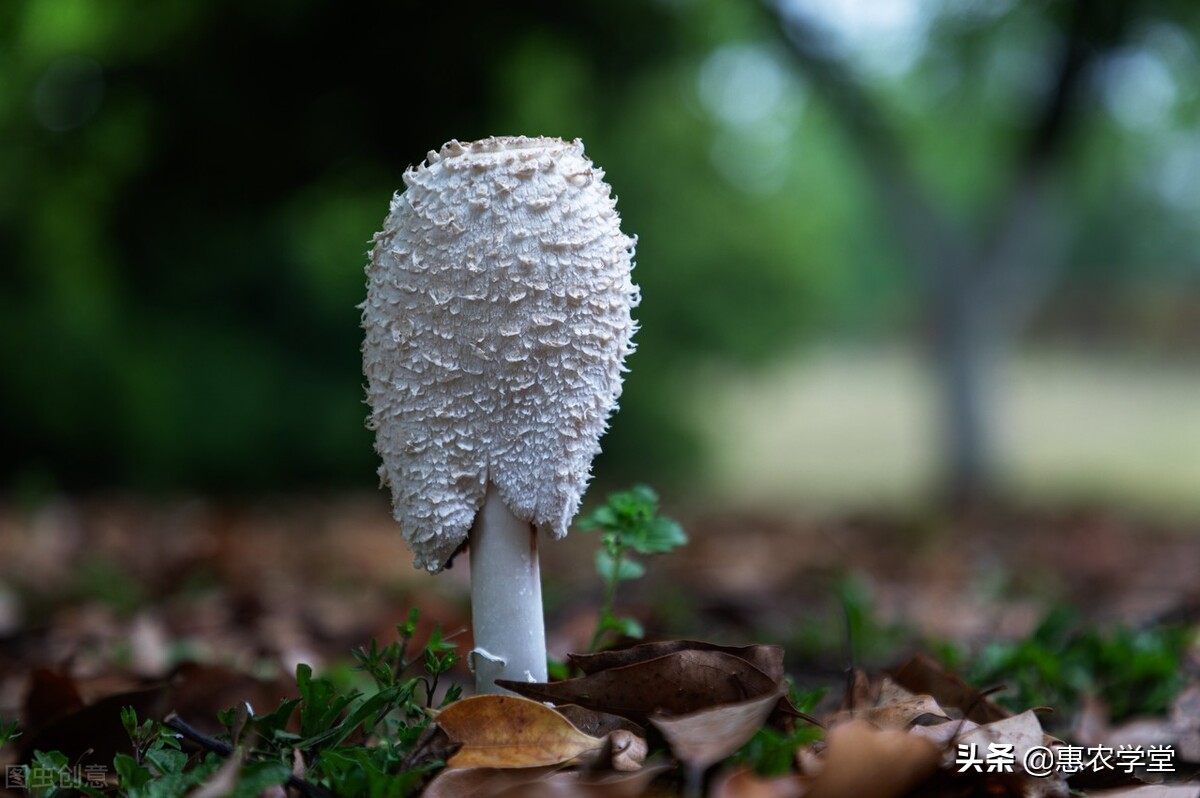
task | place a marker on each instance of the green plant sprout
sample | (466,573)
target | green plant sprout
(629,522)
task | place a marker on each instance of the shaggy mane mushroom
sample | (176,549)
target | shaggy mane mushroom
(497,322)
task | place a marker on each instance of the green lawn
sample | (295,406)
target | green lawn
(858,428)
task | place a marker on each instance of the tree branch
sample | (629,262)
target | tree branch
(175,723)
(1016,260)
(930,241)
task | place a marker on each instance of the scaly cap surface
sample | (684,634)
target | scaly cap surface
(497,322)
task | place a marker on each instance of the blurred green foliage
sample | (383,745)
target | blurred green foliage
(1132,671)
(189,189)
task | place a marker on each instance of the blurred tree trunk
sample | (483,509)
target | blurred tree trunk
(978,288)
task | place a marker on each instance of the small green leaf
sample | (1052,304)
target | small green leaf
(628,569)
(166,760)
(129,722)
(453,693)
(602,517)
(258,776)
(645,496)
(628,627)
(8,733)
(657,535)
(130,775)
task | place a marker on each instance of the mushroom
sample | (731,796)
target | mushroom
(497,322)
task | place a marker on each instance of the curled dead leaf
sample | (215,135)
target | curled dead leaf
(705,737)
(921,675)
(628,750)
(503,731)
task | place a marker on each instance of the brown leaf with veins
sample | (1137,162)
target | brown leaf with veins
(768,659)
(675,684)
(504,731)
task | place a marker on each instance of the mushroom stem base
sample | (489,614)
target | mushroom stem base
(506,598)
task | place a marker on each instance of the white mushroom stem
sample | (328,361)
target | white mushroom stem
(506,598)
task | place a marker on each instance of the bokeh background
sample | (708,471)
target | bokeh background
(918,367)
(892,252)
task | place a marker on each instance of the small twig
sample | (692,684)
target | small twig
(177,723)
(222,748)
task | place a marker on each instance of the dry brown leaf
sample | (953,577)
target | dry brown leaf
(922,675)
(93,735)
(199,691)
(532,782)
(572,784)
(628,751)
(479,782)
(622,750)
(895,708)
(676,684)
(703,738)
(745,783)
(598,724)
(943,735)
(862,691)
(863,762)
(510,732)
(1022,732)
(768,659)
(48,696)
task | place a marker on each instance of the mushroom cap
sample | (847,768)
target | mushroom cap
(497,322)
